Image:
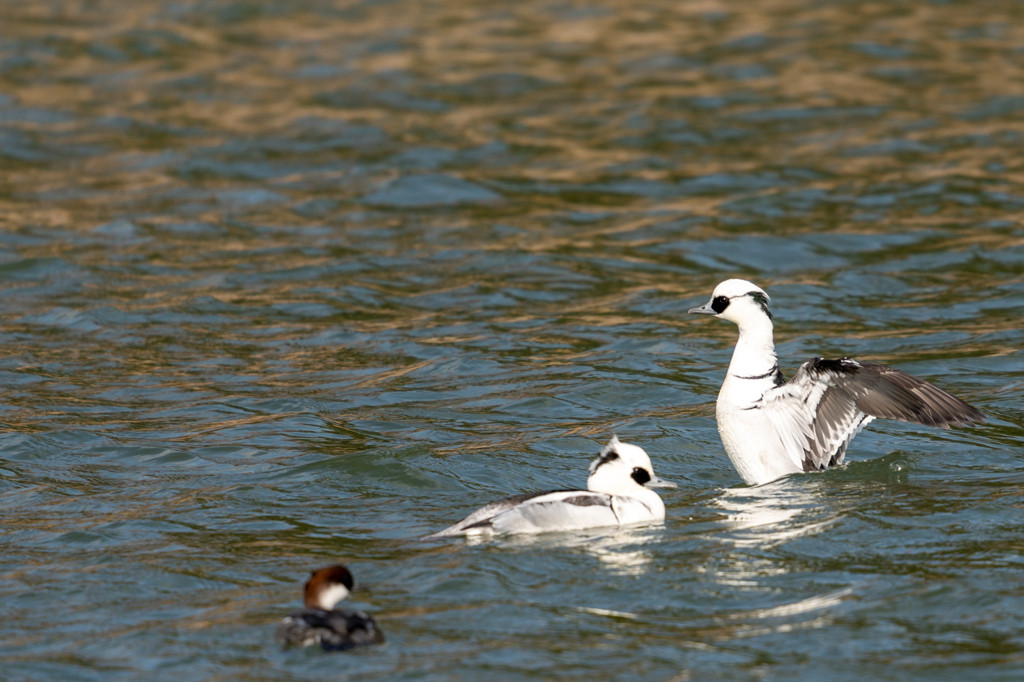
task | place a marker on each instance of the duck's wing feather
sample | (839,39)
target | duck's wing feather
(332,630)
(482,516)
(562,510)
(534,512)
(818,412)
(351,628)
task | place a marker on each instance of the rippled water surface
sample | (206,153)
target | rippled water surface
(291,283)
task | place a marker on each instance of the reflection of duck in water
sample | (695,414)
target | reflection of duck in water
(622,550)
(320,623)
(771,427)
(618,494)
(769,515)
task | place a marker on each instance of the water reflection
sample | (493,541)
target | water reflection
(761,518)
(810,613)
(622,551)
(758,523)
(772,514)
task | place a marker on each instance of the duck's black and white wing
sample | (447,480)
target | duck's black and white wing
(335,630)
(562,510)
(816,414)
(535,512)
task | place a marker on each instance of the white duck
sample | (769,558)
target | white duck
(771,427)
(618,494)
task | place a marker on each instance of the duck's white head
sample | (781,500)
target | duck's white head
(327,586)
(622,469)
(739,301)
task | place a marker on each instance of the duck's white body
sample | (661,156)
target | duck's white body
(771,428)
(617,494)
(738,429)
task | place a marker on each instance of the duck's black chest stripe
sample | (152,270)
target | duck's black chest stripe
(774,371)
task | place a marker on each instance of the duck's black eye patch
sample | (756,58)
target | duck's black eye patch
(640,475)
(719,304)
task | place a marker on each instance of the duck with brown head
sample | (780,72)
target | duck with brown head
(320,623)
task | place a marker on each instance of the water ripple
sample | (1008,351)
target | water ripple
(291,284)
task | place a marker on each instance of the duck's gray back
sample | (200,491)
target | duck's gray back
(335,630)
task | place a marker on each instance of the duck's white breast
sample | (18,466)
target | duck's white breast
(748,434)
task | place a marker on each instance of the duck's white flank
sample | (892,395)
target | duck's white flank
(771,428)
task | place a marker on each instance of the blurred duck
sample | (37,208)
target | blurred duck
(320,623)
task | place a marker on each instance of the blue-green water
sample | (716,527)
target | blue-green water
(285,284)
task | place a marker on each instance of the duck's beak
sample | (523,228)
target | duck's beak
(705,309)
(659,483)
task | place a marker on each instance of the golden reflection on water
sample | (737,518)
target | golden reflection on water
(923,65)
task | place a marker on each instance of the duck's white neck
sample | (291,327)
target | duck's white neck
(754,355)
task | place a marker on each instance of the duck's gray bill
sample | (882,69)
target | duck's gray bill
(703,310)
(660,483)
